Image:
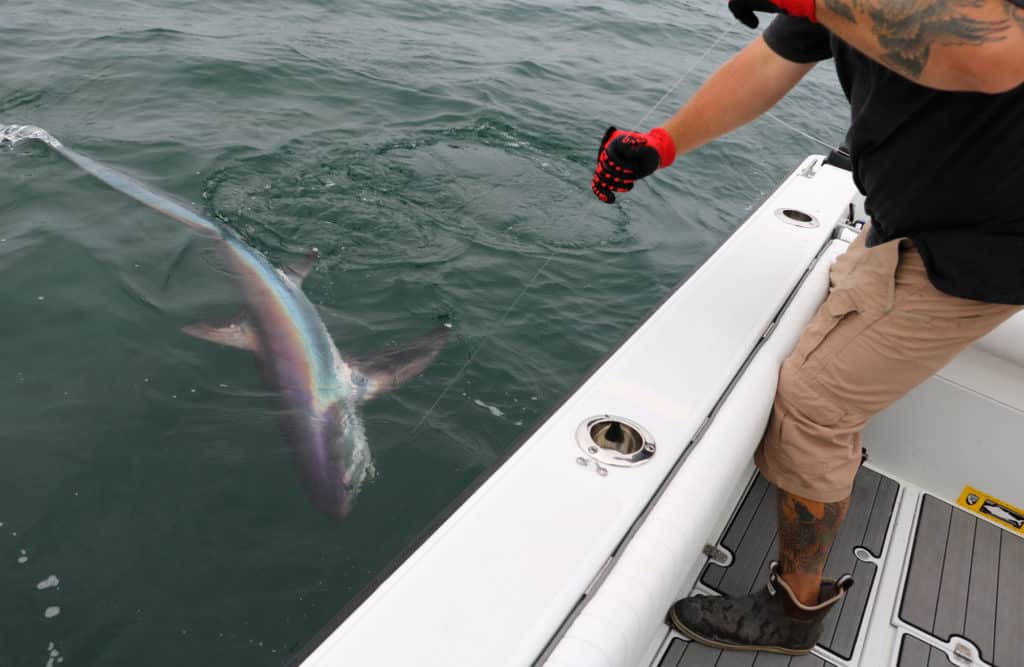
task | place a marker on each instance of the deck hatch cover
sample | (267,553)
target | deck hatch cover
(752,537)
(965,579)
(682,653)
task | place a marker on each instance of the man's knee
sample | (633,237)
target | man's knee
(810,447)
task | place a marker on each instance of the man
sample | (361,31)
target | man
(936,89)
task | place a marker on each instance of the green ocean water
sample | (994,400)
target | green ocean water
(439,156)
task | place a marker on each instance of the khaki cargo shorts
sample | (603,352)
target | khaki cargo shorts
(882,330)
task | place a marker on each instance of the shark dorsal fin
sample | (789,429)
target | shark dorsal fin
(235,332)
(300,268)
(389,369)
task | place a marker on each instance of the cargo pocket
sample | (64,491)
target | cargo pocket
(863,286)
(838,306)
(806,406)
(871,280)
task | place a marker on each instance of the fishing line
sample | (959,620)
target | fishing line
(686,74)
(805,134)
(472,355)
(551,256)
(771,115)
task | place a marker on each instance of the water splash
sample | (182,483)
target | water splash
(50,582)
(490,408)
(53,655)
(13,134)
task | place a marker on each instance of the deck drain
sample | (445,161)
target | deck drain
(796,217)
(615,441)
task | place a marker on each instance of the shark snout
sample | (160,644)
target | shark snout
(331,496)
(335,460)
(338,509)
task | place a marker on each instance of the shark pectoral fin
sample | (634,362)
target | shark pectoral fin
(388,370)
(299,269)
(234,333)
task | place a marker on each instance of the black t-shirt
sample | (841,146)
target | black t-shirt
(945,169)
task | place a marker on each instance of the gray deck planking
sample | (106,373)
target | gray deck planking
(921,594)
(752,537)
(951,611)
(742,575)
(980,624)
(966,578)
(738,526)
(847,621)
(878,526)
(674,655)
(915,653)
(1009,648)
(682,653)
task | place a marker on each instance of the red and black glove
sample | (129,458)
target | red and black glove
(744,9)
(626,156)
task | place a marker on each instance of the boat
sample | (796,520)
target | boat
(640,489)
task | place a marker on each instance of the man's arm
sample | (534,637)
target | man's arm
(740,91)
(737,93)
(961,45)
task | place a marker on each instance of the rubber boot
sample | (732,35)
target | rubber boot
(771,619)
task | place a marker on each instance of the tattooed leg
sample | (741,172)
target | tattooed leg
(807,529)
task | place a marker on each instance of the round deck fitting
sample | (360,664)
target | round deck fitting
(615,441)
(796,217)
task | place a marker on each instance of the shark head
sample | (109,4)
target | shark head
(344,462)
(334,476)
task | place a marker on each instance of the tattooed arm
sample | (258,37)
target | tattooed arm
(968,45)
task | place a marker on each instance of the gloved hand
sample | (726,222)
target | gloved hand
(744,9)
(626,156)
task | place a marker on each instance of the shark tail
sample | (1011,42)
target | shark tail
(14,134)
